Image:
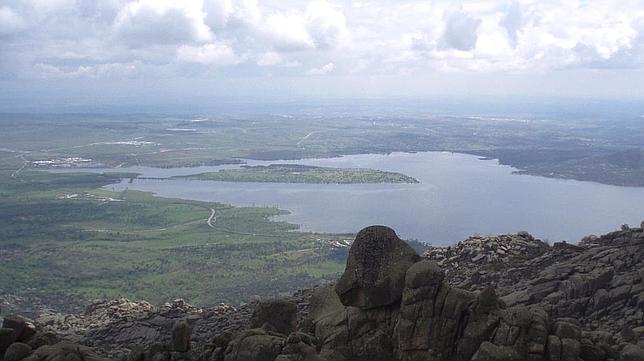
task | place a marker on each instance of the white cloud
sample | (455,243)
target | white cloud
(10,21)
(217,12)
(98,71)
(461,31)
(208,54)
(325,24)
(319,26)
(221,14)
(518,36)
(161,22)
(513,21)
(323,70)
(269,58)
(287,32)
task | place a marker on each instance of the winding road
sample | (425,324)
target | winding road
(212,219)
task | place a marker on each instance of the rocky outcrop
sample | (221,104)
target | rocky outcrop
(375,272)
(19,340)
(504,298)
(115,327)
(543,319)
(501,260)
(273,338)
(599,281)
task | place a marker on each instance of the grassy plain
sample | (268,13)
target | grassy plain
(65,241)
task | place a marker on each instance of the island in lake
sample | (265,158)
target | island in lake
(297,173)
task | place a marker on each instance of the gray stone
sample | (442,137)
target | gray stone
(376,267)
(566,328)
(6,338)
(553,348)
(45,338)
(299,347)
(65,352)
(279,315)
(590,352)
(424,273)
(254,345)
(632,353)
(17,351)
(492,352)
(22,329)
(570,349)
(181,335)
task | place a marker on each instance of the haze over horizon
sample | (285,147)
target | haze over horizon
(85,52)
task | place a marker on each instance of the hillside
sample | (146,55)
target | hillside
(507,297)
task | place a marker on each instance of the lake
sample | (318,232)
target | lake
(458,195)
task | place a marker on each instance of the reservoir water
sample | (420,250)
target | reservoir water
(458,195)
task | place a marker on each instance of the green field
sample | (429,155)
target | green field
(294,173)
(66,238)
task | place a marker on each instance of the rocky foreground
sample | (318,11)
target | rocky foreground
(509,297)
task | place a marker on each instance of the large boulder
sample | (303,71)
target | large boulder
(632,353)
(22,329)
(376,266)
(299,347)
(254,345)
(17,351)
(43,338)
(276,315)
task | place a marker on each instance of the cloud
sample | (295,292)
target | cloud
(319,26)
(208,54)
(161,22)
(254,37)
(323,70)
(217,13)
(269,58)
(222,14)
(460,31)
(10,21)
(98,71)
(325,24)
(512,21)
(287,32)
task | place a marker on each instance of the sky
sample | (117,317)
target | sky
(74,51)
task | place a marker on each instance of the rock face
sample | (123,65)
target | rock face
(434,320)
(599,281)
(375,272)
(272,338)
(501,298)
(181,335)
